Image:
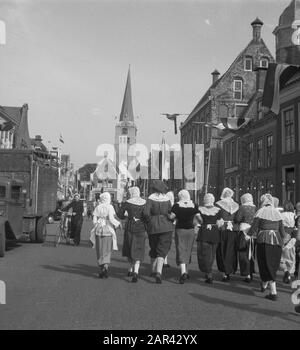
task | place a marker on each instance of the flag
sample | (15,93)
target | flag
(231,123)
(172,117)
(164,162)
(277,76)
(2,33)
(61,139)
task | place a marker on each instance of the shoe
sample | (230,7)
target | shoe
(183,278)
(101,274)
(226,278)
(158,278)
(287,278)
(105,273)
(247,280)
(209,280)
(272,297)
(134,278)
(166,265)
(262,288)
(129,274)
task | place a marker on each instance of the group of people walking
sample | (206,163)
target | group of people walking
(232,234)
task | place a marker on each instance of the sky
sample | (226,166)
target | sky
(69,59)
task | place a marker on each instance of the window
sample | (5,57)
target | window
(289,184)
(269,150)
(259,153)
(260,112)
(248,64)
(227,155)
(2,191)
(238,89)
(233,153)
(15,192)
(124,131)
(288,131)
(250,156)
(264,63)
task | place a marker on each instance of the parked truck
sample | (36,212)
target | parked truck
(28,193)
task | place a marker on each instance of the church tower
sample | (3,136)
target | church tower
(125,136)
(287,35)
(126,130)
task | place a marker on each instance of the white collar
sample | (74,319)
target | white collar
(159,197)
(136,201)
(186,204)
(228,205)
(211,211)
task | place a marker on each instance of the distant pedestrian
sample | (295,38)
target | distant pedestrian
(246,243)
(269,229)
(184,212)
(288,258)
(297,224)
(208,236)
(227,248)
(159,227)
(78,209)
(135,231)
(103,235)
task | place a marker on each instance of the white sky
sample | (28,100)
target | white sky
(69,59)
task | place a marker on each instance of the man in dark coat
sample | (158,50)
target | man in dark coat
(78,210)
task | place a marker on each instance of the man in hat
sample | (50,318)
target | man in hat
(78,210)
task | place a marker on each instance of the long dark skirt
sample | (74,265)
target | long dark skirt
(206,253)
(184,240)
(134,245)
(104,247)
(268,260)
(76,225)
(160,244)
(247,266)
(227,252)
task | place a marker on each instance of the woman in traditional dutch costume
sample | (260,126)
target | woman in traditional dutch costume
(288,257)
(103,235)
(227,248)
(208,236)
(184,212)
(268,227)
(246,244)
(159,227)
(135,231)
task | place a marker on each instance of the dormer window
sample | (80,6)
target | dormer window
(248,64)
(264,63)
(238,89)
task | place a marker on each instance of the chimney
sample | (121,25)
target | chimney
(256,25)
(215,76)
(260,77)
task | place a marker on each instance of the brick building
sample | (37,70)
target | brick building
(228,96)
(250,153)
(287,35)
(265,155)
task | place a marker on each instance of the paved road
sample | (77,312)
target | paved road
(58,288)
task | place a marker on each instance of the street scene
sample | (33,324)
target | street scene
(161,190)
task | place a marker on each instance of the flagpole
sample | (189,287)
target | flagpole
(208,165)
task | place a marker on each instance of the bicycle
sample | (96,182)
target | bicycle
(64,229)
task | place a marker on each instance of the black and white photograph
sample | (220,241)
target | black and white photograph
(149,167)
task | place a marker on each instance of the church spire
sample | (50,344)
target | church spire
(127,110)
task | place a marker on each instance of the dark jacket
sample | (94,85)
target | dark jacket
(156,214)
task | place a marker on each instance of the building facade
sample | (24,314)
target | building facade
(228,96)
